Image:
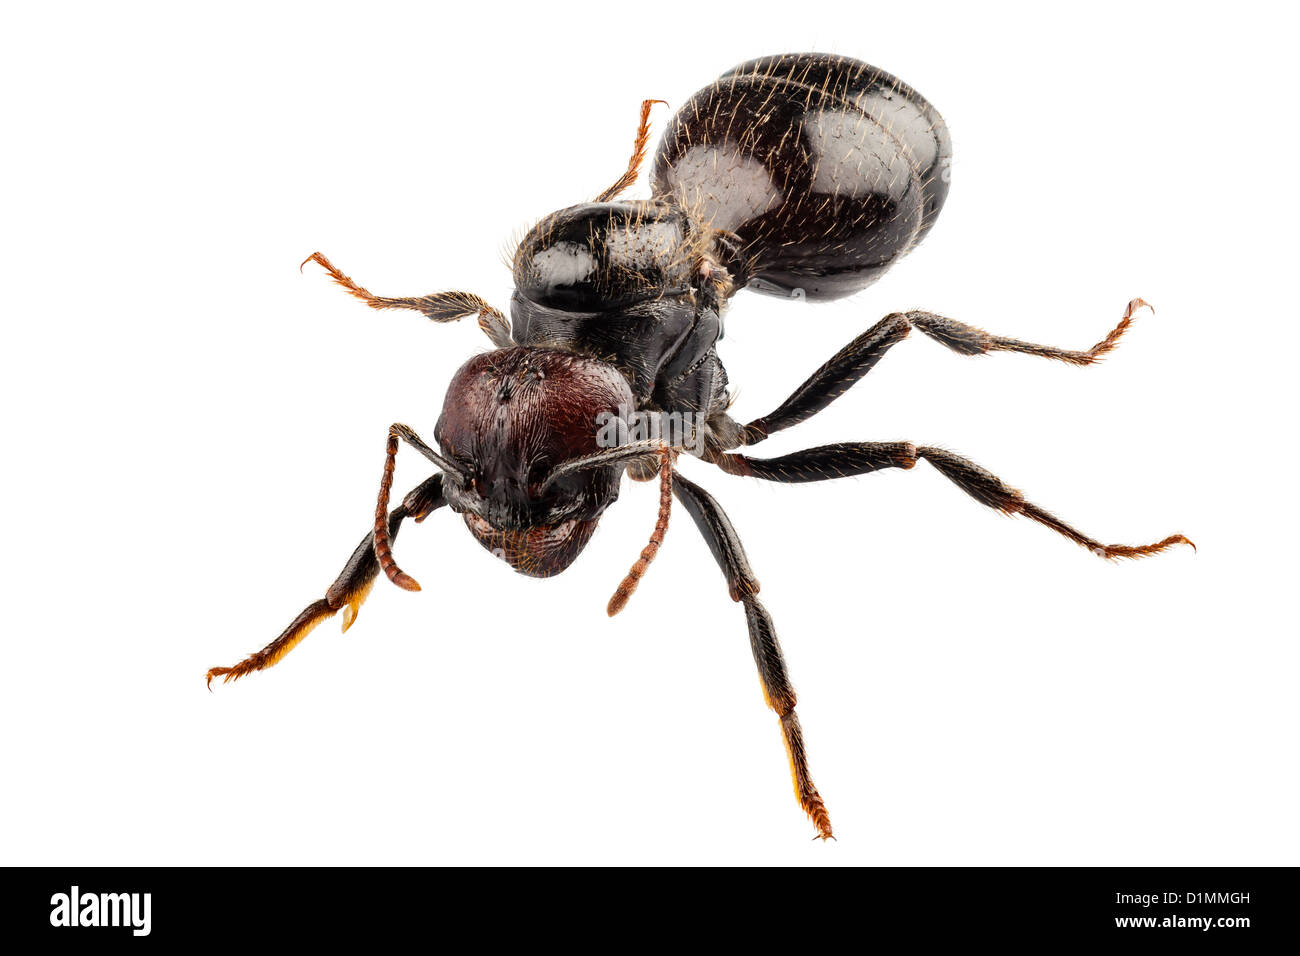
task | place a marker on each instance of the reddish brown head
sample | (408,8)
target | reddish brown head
(510,418)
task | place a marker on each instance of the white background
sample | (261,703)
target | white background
(193,435)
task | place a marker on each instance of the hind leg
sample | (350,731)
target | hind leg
(857,358)
(347,592)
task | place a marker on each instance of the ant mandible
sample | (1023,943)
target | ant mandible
(801,175)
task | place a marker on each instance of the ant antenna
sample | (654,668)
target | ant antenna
(629,583)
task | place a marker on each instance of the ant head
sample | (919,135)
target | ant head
(519,424)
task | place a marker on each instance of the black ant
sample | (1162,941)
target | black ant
(802,175)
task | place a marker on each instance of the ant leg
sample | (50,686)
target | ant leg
(860,458)
(858,357)
(727,550)
(968,340)
(347,592)
(832,380)
(638,154)
(440,306)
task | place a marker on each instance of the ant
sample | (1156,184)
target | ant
(800,175)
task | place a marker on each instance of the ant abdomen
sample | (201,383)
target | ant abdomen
(827,169)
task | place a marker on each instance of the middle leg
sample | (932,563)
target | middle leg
(860,458)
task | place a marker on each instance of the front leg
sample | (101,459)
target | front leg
(777,690)
(347,592)
(638,154)
(438,306)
